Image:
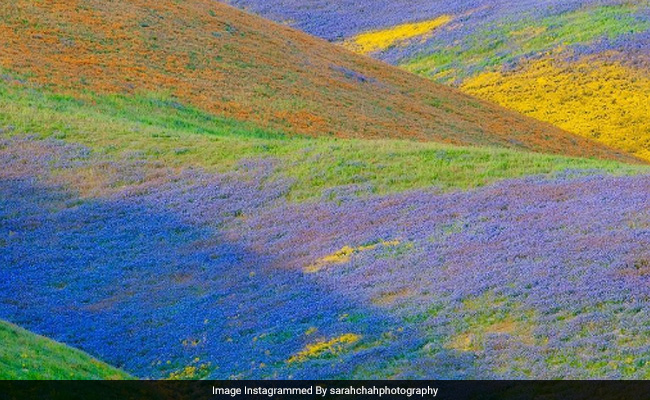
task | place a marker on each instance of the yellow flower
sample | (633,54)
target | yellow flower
(382,39)
(605,101)
(333,347)
(342,256)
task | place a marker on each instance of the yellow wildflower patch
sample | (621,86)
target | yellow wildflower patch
(325,347)
(602,100)
(342,256)
(198,371)
(369,42)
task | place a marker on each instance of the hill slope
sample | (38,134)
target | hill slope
(24,355)
(185,273)
(230,63)
(582,65)
(160,234)
(176,244)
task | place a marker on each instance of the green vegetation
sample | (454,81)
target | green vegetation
(24,355)
(500,43)
(160,128)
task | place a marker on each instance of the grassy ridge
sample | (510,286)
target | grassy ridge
(24,355)
(163,129)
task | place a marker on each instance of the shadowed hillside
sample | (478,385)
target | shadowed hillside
(231,63)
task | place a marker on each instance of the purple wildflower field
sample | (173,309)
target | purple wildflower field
(480,36)
(545,271)
(137,272)
(334,20)
(535,277)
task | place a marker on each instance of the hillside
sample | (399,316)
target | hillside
(24,355)
(149,219)
(176,244)
(582,65)
(230,63)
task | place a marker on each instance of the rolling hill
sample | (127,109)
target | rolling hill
(230,63)
(25,355)
(156,215)
(166,270)
(581,65)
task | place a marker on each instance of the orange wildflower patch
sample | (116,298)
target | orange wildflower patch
(231,63)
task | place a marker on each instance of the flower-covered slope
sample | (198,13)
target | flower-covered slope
(227,62)
(149,226)
(121,236)
(583,65)
(189,274)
